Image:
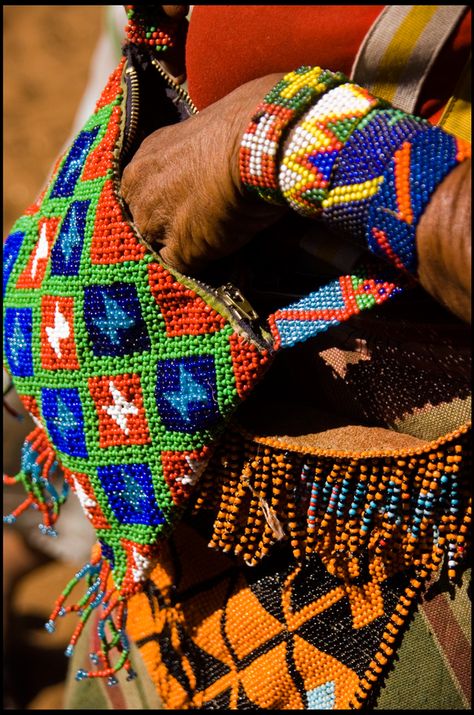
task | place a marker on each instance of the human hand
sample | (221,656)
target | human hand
(183,184)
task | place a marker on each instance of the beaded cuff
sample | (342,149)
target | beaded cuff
(384,179)
(308,162)
(411,178)
(283,105)
(364,168)
(357,176)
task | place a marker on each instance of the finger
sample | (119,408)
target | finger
(169,257)
(175,12)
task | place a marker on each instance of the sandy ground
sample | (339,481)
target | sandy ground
(47,51)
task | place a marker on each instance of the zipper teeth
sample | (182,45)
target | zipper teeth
(178,89)
(133,119)
(232,313)
(200,284)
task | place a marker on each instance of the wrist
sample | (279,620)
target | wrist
(444,243)
(281,107)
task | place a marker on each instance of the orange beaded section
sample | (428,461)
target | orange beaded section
(112,88)
(263,490)
(402,182)
(113,240)
(123,389)
(183,311)
(34,271)
(58,347)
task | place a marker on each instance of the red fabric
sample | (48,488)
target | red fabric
(229,45)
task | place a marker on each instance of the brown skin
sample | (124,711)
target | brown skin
(184,191)
(183,186)
(444,243)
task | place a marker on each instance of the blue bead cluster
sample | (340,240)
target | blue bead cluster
(432,156)
(365,157)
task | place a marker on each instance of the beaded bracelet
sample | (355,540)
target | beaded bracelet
(308,161)
(411,178)
(260,145)
(364,169)
(384,179)
(358,174)
(142,29)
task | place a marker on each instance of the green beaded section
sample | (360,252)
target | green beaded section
(91,365)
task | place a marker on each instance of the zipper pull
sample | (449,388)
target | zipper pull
(234,299)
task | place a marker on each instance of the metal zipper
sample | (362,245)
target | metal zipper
(182,94)
(235,300)
(133,94)
(232,304)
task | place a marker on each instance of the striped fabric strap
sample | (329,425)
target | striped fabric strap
(456,117)
(400,49)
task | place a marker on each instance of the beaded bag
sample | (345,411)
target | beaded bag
(129,369)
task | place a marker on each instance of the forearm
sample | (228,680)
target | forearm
(377,174)
(444,243)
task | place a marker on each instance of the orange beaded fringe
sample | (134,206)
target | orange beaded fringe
(405,508)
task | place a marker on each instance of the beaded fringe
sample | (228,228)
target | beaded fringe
(111,627)
(404,508)
(38,468)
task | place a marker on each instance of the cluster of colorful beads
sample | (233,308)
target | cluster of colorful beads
(261,143)
(407,507)
(143,30)
(316,142)
(363,169)
(418,167)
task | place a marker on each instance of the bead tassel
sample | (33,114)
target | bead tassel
(113,617)
(38,467)
(406,508)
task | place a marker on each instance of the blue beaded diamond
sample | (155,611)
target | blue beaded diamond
(114,320)
(130,492)
(11,249)
(67,251)
(62,411)
(72,168)
(186,393)
(17,338)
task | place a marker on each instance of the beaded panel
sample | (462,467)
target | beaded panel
(131,371)
(216,634)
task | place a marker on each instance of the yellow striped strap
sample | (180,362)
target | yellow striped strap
(400,49)
(456,117)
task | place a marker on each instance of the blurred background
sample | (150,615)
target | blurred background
(48,52)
